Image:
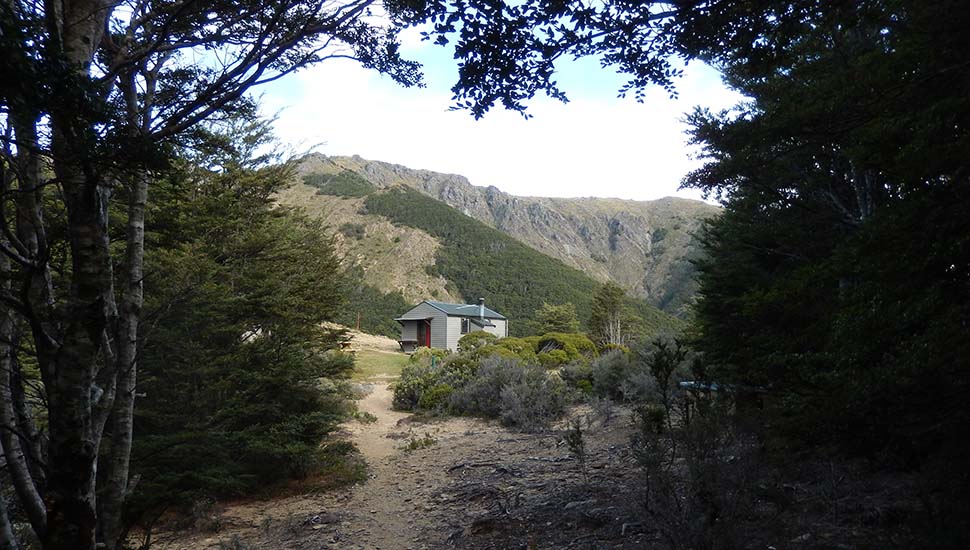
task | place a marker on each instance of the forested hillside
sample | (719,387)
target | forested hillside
(484,262)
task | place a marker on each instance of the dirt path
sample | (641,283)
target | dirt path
(473,484)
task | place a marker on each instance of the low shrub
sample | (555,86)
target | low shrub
(422,386)
(519,347)
(578,347)
(436,397)
(520,395)
(474,340)
(609,372)
(553,358)
(533,401)
(578,375)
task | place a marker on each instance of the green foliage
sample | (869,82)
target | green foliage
(376,309)
(345,184)
(484,262)
(556,318)
(233,364)
(612,321)
(436,397)
(474,340)
(609,373)
(518,347)
(576,346)
(837,277)
(419,377)
(553,358)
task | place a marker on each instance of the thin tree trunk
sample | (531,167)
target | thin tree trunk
(8,541)
(116,485)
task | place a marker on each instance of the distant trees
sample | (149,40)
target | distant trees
(611,321)
(484,262)
(556,318)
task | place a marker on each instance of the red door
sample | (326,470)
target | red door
(424,333)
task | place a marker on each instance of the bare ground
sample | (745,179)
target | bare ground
(477,485)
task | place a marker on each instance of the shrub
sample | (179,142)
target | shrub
(521,395)
(519,347)
(578,375)
(533,401)
(423,387)
(436,397)
(474,340)
(416,378)
(611,347)
(577,346)
(489,350)
(553,358)
(609,372)
(353,230)
(426,355)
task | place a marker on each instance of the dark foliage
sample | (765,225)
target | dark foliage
(376,310)
(233,360)
(344,184)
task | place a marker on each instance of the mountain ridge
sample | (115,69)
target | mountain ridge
(644,246)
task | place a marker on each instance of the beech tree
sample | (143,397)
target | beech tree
(94,96)
(611,322)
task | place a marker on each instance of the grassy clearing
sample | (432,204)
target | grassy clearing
(378,364)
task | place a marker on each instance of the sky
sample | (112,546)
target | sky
(595,145)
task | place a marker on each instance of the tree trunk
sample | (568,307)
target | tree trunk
(116,487)
(8,541)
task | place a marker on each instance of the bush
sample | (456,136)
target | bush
(609,372)
(416,378)
(519,347)
(553,358)
(475,340)
(428,355)
(521,395)
(578,347)
(423,387)
(436,397)
(488,350)
(579,375)
(533,401)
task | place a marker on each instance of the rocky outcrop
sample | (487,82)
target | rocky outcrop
(644,246)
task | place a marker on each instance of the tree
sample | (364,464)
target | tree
(95,96)
(553,318)
(239,390)
(611,322)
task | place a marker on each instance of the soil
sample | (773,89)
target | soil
(468,484)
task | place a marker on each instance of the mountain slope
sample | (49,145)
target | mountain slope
(644,247)
(484,262)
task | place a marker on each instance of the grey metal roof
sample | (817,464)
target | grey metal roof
(463,310)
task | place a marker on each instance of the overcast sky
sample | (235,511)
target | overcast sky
(595,145)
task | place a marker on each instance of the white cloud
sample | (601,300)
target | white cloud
(592,146)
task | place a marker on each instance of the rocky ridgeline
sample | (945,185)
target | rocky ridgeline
(644,246)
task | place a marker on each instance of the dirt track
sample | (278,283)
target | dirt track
(476,486)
